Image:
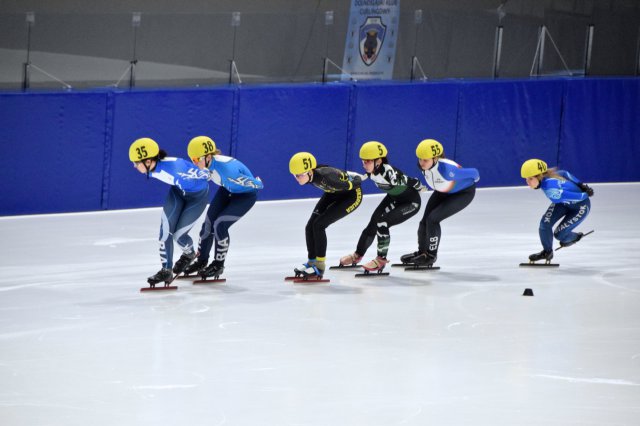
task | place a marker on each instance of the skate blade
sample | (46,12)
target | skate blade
(187,277)
(311,280)
(372,274)
(345,267)
(583,235)
(161,288)
(541,264)
(422,268)
(210,281)
(402,265)
(293,277)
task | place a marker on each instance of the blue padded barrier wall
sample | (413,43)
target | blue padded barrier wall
(275,122)
(502,124)
(68,151)
(400,116)
(601,130)
(52,148)
(171,118)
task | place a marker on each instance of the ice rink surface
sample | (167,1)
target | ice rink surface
(81,345)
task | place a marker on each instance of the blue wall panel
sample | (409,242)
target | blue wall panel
(502,124)
(52,149)
(275,122)
(601,130)
(171,118)
(69,151)
(400,116)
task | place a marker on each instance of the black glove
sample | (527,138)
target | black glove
(586,188)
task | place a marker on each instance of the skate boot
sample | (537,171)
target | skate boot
(376,264)
(407,258)
(546,255)
(424,259)
(315,269)
(213,270)
(183,262)
(195,267)
(350,259)
(570,243)
(299,270)
(163,275)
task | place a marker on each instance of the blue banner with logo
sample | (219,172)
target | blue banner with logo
(370,48)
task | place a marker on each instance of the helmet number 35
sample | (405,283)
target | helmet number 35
(141,151)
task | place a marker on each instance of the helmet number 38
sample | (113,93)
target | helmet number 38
(208,147)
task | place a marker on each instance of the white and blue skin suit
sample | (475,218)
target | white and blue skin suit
(185,202)
(568,203)
(238,192)
(454,188)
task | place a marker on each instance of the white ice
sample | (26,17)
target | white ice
(81,345)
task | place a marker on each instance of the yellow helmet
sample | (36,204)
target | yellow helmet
(201,146)
(429,148)
(302,162)
(372,150)
(142,149)
(533,167)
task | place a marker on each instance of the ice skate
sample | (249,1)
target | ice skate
(310,272)
(183,262)
(315,269)
(215,269)
(424,259)
(195,267)
(376,264)
(350,259)
(570,243)
(374,268)
(543,255)
(347,262)
(407,258)
(211,274)
(299,270)
(163,275)
(422,262)
(546,255)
